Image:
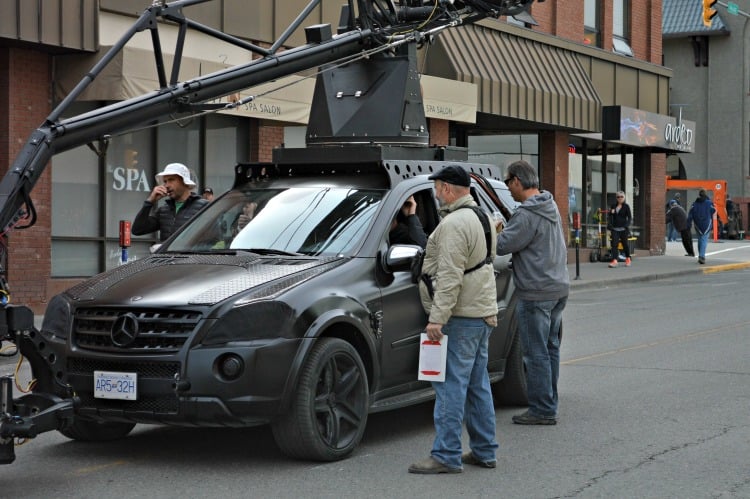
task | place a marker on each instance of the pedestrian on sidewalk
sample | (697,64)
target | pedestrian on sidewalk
(677,216)
(620,218)
(671,229)
(534,235)
(702,214)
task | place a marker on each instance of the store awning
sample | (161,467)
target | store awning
(518,77)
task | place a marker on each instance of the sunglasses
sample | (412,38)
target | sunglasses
(620,197)
(510,178)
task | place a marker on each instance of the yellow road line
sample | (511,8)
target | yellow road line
(92,469)
(672,339)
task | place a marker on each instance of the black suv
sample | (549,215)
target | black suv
(281,302)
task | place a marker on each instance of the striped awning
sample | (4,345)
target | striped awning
(518,77)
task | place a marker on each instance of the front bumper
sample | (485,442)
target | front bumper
(191,391)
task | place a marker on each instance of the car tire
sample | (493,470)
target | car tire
(328,411)
(95,431)
(512,389)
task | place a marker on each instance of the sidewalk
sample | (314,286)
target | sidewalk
(720,256)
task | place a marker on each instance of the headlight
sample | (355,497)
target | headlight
(58,319)
(264,319)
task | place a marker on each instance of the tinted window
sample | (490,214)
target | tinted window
(307,220)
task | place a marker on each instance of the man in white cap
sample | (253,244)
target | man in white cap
(181,204)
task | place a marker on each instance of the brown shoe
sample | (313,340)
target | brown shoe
(431,466)
(470,458)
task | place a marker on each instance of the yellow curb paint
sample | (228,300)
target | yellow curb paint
(728,266)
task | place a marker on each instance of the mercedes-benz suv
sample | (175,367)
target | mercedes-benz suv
(281,302)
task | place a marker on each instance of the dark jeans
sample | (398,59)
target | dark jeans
(687,241)
(617,237)
(539,324)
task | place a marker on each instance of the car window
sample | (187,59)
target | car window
(313,221)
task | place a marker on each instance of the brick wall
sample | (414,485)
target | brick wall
(655,188)
(565,19)
(26,101)
(264,138)
(439,134)
(554,170)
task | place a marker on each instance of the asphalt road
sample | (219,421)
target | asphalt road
(654,389)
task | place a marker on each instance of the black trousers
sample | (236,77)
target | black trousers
(617,237)
(687,241)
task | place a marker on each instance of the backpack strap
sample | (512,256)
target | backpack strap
(485,221)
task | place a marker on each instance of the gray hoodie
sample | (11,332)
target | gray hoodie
(534,235)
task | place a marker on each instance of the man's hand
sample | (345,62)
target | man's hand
(159,192)
(434,331)
(410,207)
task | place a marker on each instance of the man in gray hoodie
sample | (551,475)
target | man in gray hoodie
(534,235)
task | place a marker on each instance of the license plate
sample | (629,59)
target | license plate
(113,385)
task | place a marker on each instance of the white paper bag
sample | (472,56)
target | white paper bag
(432,358)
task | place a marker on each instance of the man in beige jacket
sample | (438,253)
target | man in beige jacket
(462,306)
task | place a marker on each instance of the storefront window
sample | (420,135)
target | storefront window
(91,195)
(502,150)
(129,179)
(180,143)
(75,192)
(227,143)
(592,188)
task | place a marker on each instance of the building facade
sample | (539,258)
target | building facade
(710,85)
(556,87)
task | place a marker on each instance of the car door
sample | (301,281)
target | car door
(403,316)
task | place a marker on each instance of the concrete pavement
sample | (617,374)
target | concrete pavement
(720,256)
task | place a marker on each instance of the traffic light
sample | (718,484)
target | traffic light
(708,12)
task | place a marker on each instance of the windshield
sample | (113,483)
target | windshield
(316,221)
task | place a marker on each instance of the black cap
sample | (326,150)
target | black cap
(452,174)
(208,189)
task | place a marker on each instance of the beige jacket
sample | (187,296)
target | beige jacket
(457,244)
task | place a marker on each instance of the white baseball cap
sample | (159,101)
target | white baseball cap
(176,169)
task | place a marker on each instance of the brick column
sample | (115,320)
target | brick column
(654,193)
(25,99)
(553,171)
(439,134)
(263,139)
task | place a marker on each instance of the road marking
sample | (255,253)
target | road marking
(92,469)
(672,339)
(728,249)
(727,266)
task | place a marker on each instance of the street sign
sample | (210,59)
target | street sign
(733,8)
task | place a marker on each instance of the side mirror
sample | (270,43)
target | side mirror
(154,248)
(399,257)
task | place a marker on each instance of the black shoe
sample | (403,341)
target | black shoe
(470,458)
(530,419)
(701,260)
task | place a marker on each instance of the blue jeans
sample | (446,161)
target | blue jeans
(671,232)
(539,324)
(465,395)
(702,243)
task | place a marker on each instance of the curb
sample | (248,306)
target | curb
(726,266)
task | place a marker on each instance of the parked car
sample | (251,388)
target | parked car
(302,316)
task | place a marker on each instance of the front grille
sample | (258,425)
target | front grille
(156,404)
(145,369)
(159,331)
